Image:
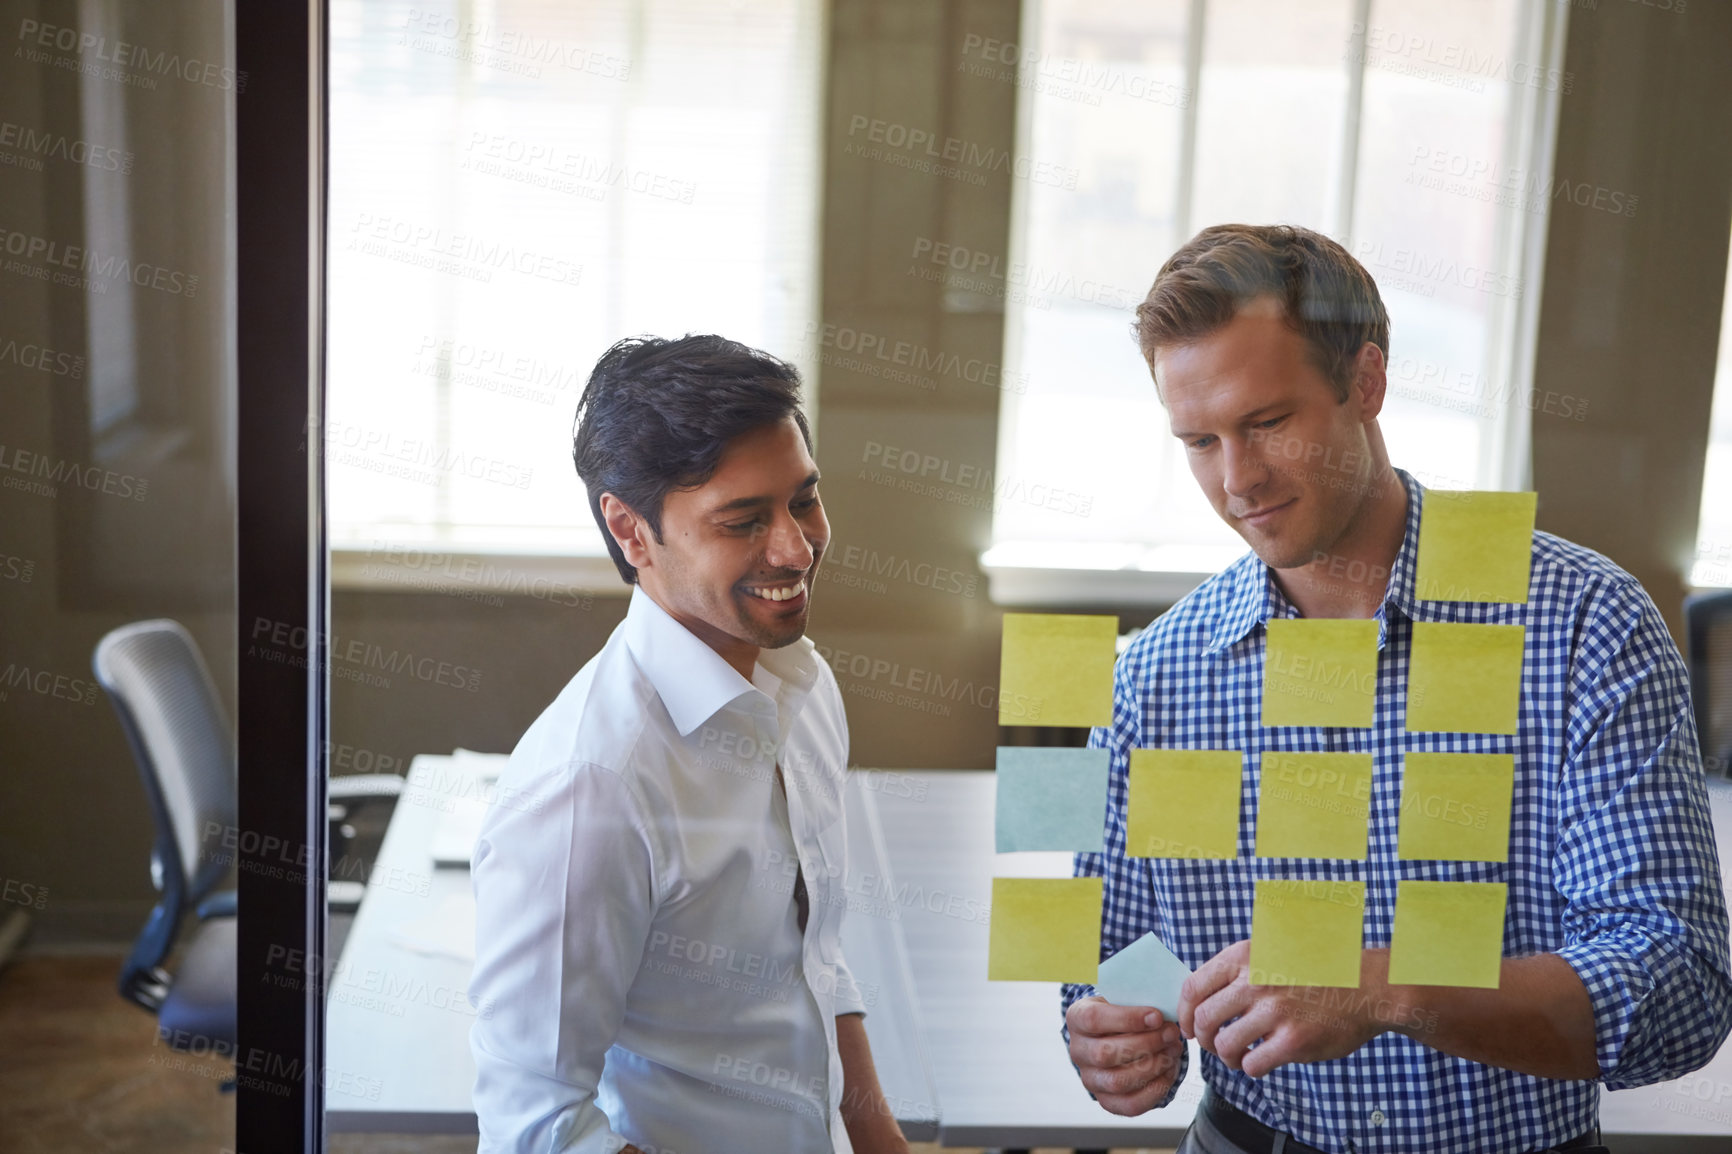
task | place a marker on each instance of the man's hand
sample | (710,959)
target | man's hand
(1227,1015)
(1126,1056)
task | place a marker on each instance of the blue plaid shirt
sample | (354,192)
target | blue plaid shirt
(1612,863)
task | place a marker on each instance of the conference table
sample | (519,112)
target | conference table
(963,1061)
(397,1017)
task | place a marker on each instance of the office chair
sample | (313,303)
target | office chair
(1708,640)
(162,692)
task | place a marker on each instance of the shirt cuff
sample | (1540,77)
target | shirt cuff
(1618,982)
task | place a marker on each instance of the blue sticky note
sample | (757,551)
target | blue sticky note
(1052,799)
(1144,973)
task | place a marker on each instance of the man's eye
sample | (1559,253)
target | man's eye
(1199,442)
(742,526)
(1270,423)
(802,506)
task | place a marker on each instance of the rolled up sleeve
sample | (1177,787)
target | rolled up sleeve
(564,899)
(1646,923)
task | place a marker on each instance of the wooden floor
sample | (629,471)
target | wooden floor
(82,1072)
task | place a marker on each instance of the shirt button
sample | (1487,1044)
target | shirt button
(1377,1118)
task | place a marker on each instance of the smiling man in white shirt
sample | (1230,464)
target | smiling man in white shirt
(658,931)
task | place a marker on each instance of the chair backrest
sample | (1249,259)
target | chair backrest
(168,706)
(1708,623)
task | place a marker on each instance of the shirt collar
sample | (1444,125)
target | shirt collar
(693,681)
(1251,596)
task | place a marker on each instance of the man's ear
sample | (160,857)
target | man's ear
(1370,383)
(630,531)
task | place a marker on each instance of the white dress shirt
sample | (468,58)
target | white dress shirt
(637,918)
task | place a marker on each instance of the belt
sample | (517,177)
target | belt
(1254,1137)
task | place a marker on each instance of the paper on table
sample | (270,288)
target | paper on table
(1447,934)
(1144,973)
(1320,671)
(1464,678)
(1045,930)
(1314,805)
(1455,806)
(1307,933)
(1183,803)
(1052,799)
(448,931)
(1057,669)
(1475,546)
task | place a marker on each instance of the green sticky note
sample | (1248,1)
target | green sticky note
(1456,806)
(1045,930)
(1307,933)
(1447,934)
(1465,678)
(1183,803)
(1052,799)
(1475,546)
(1320,671)
(1057,669)
(1314,805)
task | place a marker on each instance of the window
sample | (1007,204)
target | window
(1415,132)
(1713,564)
(517,184)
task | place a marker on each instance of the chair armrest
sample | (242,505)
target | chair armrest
(360,786)
(218,905)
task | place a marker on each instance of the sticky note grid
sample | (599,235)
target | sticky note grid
(1185,804)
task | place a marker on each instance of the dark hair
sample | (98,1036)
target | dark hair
(657,414)
(1326,296)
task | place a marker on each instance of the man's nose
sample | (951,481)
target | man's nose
(1245,467)
(787,547)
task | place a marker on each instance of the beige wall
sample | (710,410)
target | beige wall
(1630,309)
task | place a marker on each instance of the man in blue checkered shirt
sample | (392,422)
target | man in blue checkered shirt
(1268,348)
